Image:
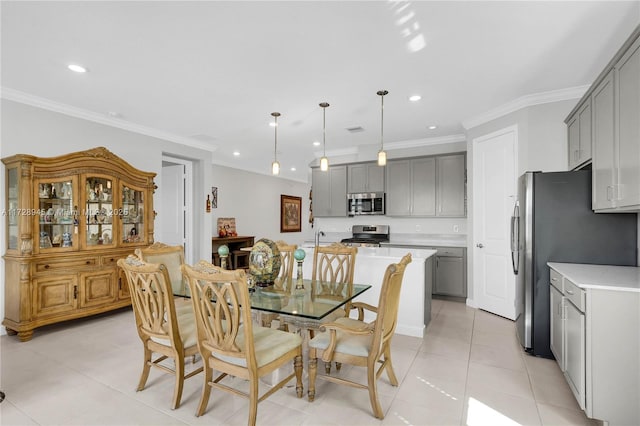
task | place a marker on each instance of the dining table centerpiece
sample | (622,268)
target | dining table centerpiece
(264,262)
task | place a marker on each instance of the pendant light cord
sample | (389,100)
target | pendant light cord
(382,93)
(275,145)
(324,106)
(382,123)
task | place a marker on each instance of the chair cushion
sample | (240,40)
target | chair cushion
(357,345)
(171,261)
(270,344)
(186,327)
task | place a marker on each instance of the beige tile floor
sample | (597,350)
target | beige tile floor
(468,370)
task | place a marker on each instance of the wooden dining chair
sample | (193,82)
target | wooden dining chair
(282,284)
(172,257)
(163,329)
(353,341)
(230,343)
(286,251)
(335,264)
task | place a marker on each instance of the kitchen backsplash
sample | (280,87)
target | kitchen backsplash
(396,225)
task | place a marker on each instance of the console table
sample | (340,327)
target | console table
(237,258)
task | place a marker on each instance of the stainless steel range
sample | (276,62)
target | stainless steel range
(367,236)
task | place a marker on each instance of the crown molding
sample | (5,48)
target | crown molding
(390,146)
(414,143)
(36,101)
(526,101)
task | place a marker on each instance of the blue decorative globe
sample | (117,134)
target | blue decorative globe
(299,254)
(223,251)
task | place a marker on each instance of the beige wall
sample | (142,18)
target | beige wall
(254,200)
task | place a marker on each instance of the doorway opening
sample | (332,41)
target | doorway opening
(175,217)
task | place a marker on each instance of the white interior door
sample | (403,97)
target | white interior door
(174,221)
(172,204)
(494,189)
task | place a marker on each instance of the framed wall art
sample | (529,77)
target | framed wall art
(290,213)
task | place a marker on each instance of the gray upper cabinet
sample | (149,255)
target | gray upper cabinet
(451,186)
(427,186)
(602,101)
(329,192)
(579,136)
(627,78)
(423,189)
(615,100)
(365,177)
(398,195)
(411,187)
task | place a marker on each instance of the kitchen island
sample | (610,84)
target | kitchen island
(414,312)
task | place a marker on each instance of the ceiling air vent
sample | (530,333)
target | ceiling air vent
(356,129)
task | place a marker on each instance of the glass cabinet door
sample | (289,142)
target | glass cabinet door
(99,211)
(12,208)
(133,226)
(57,213)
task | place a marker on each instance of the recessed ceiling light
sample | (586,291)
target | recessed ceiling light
(236,153)
(316,143)
(293,169)
(415,98)
(432,127)
(77,68)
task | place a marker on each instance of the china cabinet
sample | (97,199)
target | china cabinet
(69,219)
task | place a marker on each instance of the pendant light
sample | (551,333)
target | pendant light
(275,166)
(324,161)
(382,156)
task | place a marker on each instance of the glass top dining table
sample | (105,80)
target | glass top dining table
(314,301)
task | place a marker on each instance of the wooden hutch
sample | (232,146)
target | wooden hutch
(68,220)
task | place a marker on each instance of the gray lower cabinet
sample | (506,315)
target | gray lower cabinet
(450,275)
(595,337)
(329,192)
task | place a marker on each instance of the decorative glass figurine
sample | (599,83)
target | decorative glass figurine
(299,255)
(223,252)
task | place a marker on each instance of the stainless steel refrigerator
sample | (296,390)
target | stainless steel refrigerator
(553,221)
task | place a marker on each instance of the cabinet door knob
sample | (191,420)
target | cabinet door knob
(479,245)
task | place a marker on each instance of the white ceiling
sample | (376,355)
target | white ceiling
(209,73)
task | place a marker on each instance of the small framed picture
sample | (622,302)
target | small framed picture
(290,213)
(214,197)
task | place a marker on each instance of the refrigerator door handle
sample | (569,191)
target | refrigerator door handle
(515,238)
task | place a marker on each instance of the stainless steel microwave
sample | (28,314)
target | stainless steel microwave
(369,203)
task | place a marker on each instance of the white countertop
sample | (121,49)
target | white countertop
(386,252)
(605,277)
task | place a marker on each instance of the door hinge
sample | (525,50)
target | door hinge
(75,291)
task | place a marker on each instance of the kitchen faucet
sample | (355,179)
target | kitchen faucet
(318,234)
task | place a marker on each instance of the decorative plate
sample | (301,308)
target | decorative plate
(264,262)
